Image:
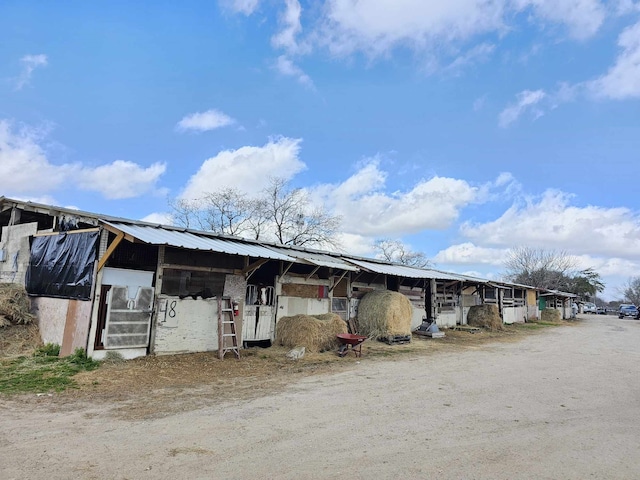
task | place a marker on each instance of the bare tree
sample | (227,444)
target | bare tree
(631,291)
(280,213)
(184,213)
(397,252)
(294,220)
(542,268)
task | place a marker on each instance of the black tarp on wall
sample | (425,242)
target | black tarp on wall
(62,265)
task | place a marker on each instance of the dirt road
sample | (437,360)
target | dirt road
(564,404)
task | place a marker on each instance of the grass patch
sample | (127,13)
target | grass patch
(44,371)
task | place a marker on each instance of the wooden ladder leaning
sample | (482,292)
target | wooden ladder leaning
(227,337)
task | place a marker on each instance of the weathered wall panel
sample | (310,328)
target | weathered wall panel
(52,316)
(15,243)
(193,325)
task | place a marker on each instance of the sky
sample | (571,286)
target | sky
(462,128)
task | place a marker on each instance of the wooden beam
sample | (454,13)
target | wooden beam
(110,250)
(118,232)
(248,271)
(339,280)
(196,268)
(83,230)
(312,273)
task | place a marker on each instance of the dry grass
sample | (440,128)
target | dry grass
(156,386)
(383,313)
(18,340)
(316,333)
(15,307)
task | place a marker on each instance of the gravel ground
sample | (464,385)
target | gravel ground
(562,404)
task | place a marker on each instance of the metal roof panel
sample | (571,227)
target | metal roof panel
(158,235)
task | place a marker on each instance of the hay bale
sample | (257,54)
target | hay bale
(15,306)
(485,316)
(317,333)
(384,314)
(550,315)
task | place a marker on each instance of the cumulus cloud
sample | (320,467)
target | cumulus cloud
(623,78)
(25,169)
(550,221)
(470,254)
(204,121)
(120,179)
(24,166)
(367,209)
(526,102)
(29,64)
(247,168)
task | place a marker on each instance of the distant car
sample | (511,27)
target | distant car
(589,307)
(628,310)
(602,310)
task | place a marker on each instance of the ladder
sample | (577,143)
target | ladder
(227,338)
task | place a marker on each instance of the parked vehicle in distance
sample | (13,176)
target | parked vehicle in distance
(628,310)
(589,307)
(602,310)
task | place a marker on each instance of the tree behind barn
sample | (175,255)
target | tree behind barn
(397,252)
(553,270)
(280,214)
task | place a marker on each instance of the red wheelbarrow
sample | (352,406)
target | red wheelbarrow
(350,340)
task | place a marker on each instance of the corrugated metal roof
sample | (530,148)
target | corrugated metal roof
(157,235)
(317,259)
(401,270)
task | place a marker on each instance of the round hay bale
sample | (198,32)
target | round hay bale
(550,315)
(485,316)
(15,306)
(383,314)
(317,333)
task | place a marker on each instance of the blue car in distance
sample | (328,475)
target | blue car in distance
(628,310)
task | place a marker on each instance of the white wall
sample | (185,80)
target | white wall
(193,328)
(514,315)
(447,319)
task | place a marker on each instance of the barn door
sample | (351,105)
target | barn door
(128,321)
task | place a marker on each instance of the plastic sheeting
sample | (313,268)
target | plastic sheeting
(62,265)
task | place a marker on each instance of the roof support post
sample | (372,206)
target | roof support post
(110,250)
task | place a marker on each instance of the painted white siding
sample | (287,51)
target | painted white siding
(186,325)
(447,319)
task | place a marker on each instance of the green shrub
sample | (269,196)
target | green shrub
(48,350)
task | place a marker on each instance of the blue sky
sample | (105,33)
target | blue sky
(462,128)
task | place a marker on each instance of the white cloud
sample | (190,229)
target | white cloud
(582,17)
(378,26)
(470,254)
(120,179)
(26,170)
(286,67)
(204,121)
(29,64)
(24,167)
(247,168)
(526,102)
(159,218)
(552,222)
(368,210)
(291,27)
(246,7)
(623,78)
